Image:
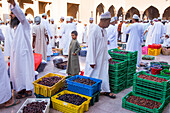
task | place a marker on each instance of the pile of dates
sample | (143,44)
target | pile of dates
(144,102)
(73,99)
(35,107)
(113,62)
(120,52)
(156,79)
(84,81)
(168,73)
(49,81)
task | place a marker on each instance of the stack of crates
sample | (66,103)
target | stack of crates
(130,68)
(154,49)
(148,89)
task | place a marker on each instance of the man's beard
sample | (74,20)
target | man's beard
(14,22)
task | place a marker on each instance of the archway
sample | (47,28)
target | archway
(151,13)
(112,10)
(131,12)
(99,11)
(166,14)
(72,10)
(48,13)
(120,13)
(29,11)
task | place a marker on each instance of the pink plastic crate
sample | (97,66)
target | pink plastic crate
(145,50)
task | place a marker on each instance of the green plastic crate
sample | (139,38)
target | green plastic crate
(164,86)
(130,76)
(131,69)
(118,73)
(141,109)
(165,67)
(118,66)
(117,80)
(166,63)
(129,83)
(128,56)
(163,72)
(94,99)
(118,88)
(160,95)
(132,62)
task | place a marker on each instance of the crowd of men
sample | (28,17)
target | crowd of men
(22,36)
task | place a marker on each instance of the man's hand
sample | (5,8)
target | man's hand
(110,59)
(11,2)
(74,54)
(92,66)
(56,37)
(51,37)
(60,36)
(47,42)
(108,42)
(166,36)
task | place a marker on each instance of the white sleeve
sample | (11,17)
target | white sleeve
(1,36)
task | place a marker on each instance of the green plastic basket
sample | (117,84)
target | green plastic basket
(128,56)
(118,88)
(132,62)
(118,66)
(117,80)
(163,72)
(164,86)
(118,73)
(130,76)
(131,69)
(129,83)
(94,99)
(165,67)
(141,109)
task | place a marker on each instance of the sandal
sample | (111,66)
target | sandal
(15,103)
(20,96)
(109,94)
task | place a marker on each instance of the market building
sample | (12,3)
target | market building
(83,9)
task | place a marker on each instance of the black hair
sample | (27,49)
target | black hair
(137,20)
(74,32)
(130,21)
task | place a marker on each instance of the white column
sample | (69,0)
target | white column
(141,14)
(36,8)
(5,10)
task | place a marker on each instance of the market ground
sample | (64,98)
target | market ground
(105,104)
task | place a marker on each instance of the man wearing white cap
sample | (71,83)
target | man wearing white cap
(135,39)
(80,30)
(90,26)
(97,64)
(53,27)
(123,30)
(112,35)
(158,31)
(61,33)
(69,27)
(45,22)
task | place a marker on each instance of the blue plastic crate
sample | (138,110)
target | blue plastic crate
(83,88)
(83,53)
(56,54)
(48,58)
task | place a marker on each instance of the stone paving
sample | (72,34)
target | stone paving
(105,104)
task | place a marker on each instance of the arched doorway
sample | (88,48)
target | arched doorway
(73,10)
(112,10)
(29,11)
(151,13)
(48,13)
(120,12)
(166,14)
(131,12)
(99,11)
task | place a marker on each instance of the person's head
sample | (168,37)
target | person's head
(62,19)
(112,21)
(52,21)
(8,21)
(79,21)
(105,20)
(151,22)
(71,19)
(14,20)
(37,20)
(91,20)
(159,19)
(75,20)
(68,20)
(74,35)
(44,16)
(135,18)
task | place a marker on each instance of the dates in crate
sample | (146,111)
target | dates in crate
(49,81)
(35,107)
(73,99)
(152,78)
(120,52)
(113,62)
(144,102)
(84,81)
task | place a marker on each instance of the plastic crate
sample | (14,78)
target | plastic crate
(141,109)
(68,107)
(95,98)
(118,88)
(130,76)
(165,67)
(132,62)
(145,50)
(30,100)
(160,95)
(48,58)
(152,64)
(117,80)
(163,63)
(118,73)
(62,65)
(118,66)
(83,53)
(129,83)
(155,71)
(41,67)
(154,52)
(131,69)
(163,72)
(128,56)
(151,84)
(83,88)
(45,90)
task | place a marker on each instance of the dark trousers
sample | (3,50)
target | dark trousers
(119,35)
(127,36)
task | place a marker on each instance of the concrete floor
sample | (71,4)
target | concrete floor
(105,104)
